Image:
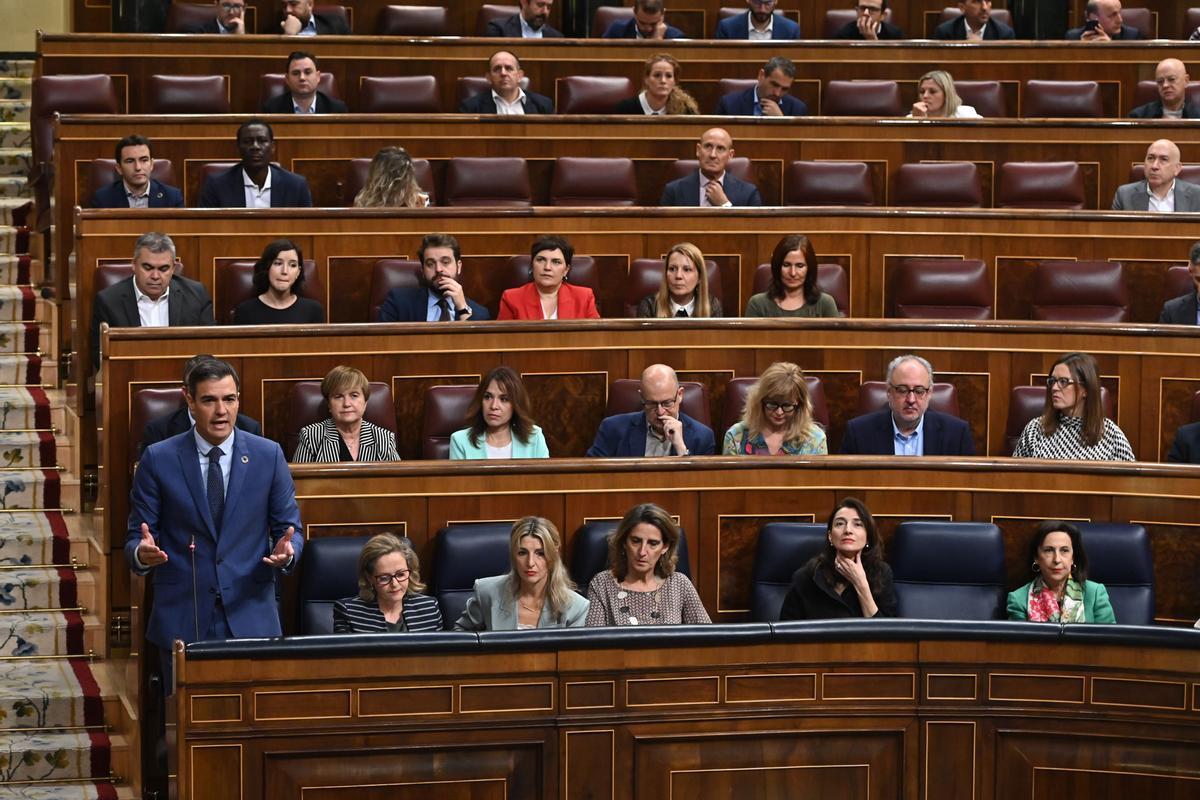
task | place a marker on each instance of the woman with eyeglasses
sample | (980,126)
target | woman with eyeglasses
(778,418)
(793,291)
(389,592)
(1072,425)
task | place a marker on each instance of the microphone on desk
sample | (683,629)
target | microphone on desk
(195,599)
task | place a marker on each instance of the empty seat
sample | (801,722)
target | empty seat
(444,412)
(605,16)
(150,404)
(948,184)
(328,573)
(182,17)
(1040,184)
(1080,291)
(580,181)
(490,12)
(1074,99)
(828,183)
(624,396)
(103,171)
(273,84)
(738,389)
(589,552)
(400,94)
(488,182)
(646,275)
(831,279)
(862,99)
(781,549)
(306,406)
(463,553)
(1178,283)
(872,396)
(592,94)
(235,285)
(1119,556)
(388,274)
(941,288)
(949,570)
(1145,20)
(986,97)
(838,18)
(187,94)
(413,21)
(583,272)
(1027,402)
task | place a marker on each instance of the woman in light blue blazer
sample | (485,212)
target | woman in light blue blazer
(500,424)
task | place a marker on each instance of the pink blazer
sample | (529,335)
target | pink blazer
(574,302)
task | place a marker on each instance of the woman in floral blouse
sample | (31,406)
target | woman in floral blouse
(778,419)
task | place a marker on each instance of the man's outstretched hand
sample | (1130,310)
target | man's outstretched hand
(283,553)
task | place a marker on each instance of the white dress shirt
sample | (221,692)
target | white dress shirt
(757,35)
(226,460)
(646,109)
(505,108)
(1161,204)
(152,313)
(528,32)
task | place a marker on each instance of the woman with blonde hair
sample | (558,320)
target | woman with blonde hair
(660,90)
(684,289)
(936,97)
(390,598)
(778,418)
(391,182)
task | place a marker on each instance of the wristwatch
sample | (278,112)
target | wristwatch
(459,313)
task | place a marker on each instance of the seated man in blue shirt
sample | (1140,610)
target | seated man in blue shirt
(440,297)
(761,23)
(660,429)
(647,23)
(769,98)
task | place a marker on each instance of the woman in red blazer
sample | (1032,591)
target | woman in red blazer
(546,296)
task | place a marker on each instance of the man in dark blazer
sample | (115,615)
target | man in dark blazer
(301,96)
(180,420)
(255,176)
(647,22)
(719,188)
(1162,165)
(230,18)
(1110,27)
(1185,449)
(506,95)
(907,427)
(139,301)
(975,24)
(300,20)
(769,98)
(135,188)
(1184,310)
(869,25)
(529,23)
(440,297)
(1172,80)
(662,429)
(762,18)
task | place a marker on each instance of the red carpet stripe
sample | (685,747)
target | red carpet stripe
(42,404)
(28,303)
(101,753)
(62,542)
(33,371)
(68,588)
(20,215)
(21,243)
(30,343)
(51,489)
(93,705)
(47,449)
(74,632)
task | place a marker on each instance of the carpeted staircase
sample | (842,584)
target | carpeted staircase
(55,717)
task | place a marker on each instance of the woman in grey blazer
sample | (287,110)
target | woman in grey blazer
(536,592)
(345,436)
(499,420)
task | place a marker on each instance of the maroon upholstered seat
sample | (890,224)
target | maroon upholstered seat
(580,181)
(646,275)
(872,396)
(489,12)
(738,166)
(110,274)
(444,412)
(828,183)
(583,272)
(1040,184)
(359,168)
(1145,20)
(471,85)
(1027,402)
(1076,99)
(1147,91)
(730,85)
(235,284)
(103,171)
(1192,20)
(831,279)
(1080,291)
(738,389)
(942,288)
(413,21)
(986,97)
(953,184)
(400,94)
(187,94)
(183,16)
(64,94)
(838,18)
(388,274)
(624,396)
(592,94)
(862,99)
(334,10)
(272,84)
(472,181)
(150,404)
(1188,172)
(605,16)
(1178,283)
(306,406)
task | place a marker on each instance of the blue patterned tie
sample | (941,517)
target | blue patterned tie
(216,487)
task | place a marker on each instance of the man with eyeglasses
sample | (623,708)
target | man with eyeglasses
(869,24)
(907,427)
(660,429)
(762,23)
(230,18)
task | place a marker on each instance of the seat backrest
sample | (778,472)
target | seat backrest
(444,412)
(1192,20)
(953,12)
(360,168)
(1187,172)
(413,21)
(589,552)
(333,10)
(862,99)
(646,275)
(605,16)
(328,572)
(1027,402)
(949,570)
(1040,184)
(872,396)
(388,274)
(66,94)
(492,182)
(273,83)
(1073,99)
(306,406)
(583,272)
(1195,416)
(624,396)
(828,183)
(738,389)
(111,274)
(942,288)
(1080,291)
(103,171)
(400,94)
(782,548)
(182,16)
(582,181)
(235,285)
(1178,282)
(831,279)
(592,94)
(738,167)
(1145,20)
(463,553)
(1119,557)
(489,12)
(731,85)
(838,18)
(952,184)
(187,94)
(986,97)
(471,85)
(150,404)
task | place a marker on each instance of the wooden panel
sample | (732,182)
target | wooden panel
(215,770)
(403,701)
(663,692)
(770,688)
(506,697)
(217,708)
(948,742)
(1139,693)
(1037,688)
(951,687)
(588,757)
(872,685)
(330,704)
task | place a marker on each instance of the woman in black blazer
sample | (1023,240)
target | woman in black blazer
(345,436)
(388,601)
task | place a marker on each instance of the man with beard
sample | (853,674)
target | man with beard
(769,97)
(440,297)
(530,23)
(761,23)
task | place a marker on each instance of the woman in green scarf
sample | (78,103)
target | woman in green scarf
(1060,591)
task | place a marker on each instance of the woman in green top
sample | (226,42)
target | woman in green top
(1060,591)
(793,291)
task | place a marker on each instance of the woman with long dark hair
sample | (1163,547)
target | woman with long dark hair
(793,291)
(499,423)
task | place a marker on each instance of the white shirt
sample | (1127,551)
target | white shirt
(505,108)
(499,452)
(255,197)
(646,109)
(152,313)
(528,32)
(690,308)
(705,181)
(1166,204)
(1169,114)
(756,35)
(296,109)
(137,200)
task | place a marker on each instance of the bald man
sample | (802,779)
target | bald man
(1172,79)
(1161,190)
(659,429)
(712,185)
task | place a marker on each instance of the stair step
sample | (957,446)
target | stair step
(16,87)
(16,186)
(17,67)
(64,756)
(58,694)
(16,134)
(33,635)
(100,790)
(15,110)
(15,161)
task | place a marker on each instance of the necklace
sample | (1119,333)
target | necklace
(532,609)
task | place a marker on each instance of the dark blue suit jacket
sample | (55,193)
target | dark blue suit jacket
(411,304)
(177,422)
(743,104)
(627,29)
(1186,447)
(260,504)
(624,436)
(738,27)
(956,29)
(161,196)
(871,435)
(484,103)
(226,190)
(686,192)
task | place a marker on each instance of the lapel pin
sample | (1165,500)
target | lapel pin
(245,459)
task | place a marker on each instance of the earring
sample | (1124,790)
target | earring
(1035,567)
(867,546)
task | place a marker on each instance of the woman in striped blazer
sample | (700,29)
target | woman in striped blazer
(388,601)
(346,436)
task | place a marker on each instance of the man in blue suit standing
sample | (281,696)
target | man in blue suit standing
(212,516)
(662,429)
(761,23)
(135,188)
(769,97)
(255,182)
(440,297)
(647,22)
(712,185)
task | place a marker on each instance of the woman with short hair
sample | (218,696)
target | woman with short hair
(1060,591)
(345,435)
(278,278)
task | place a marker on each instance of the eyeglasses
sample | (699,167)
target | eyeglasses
(666,405)
(386,580)
(1061,383)
(787,408)
(905,391)
(763,2)
(862,9)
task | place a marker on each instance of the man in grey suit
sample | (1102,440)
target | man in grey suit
(1185,309)
(1162,190)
